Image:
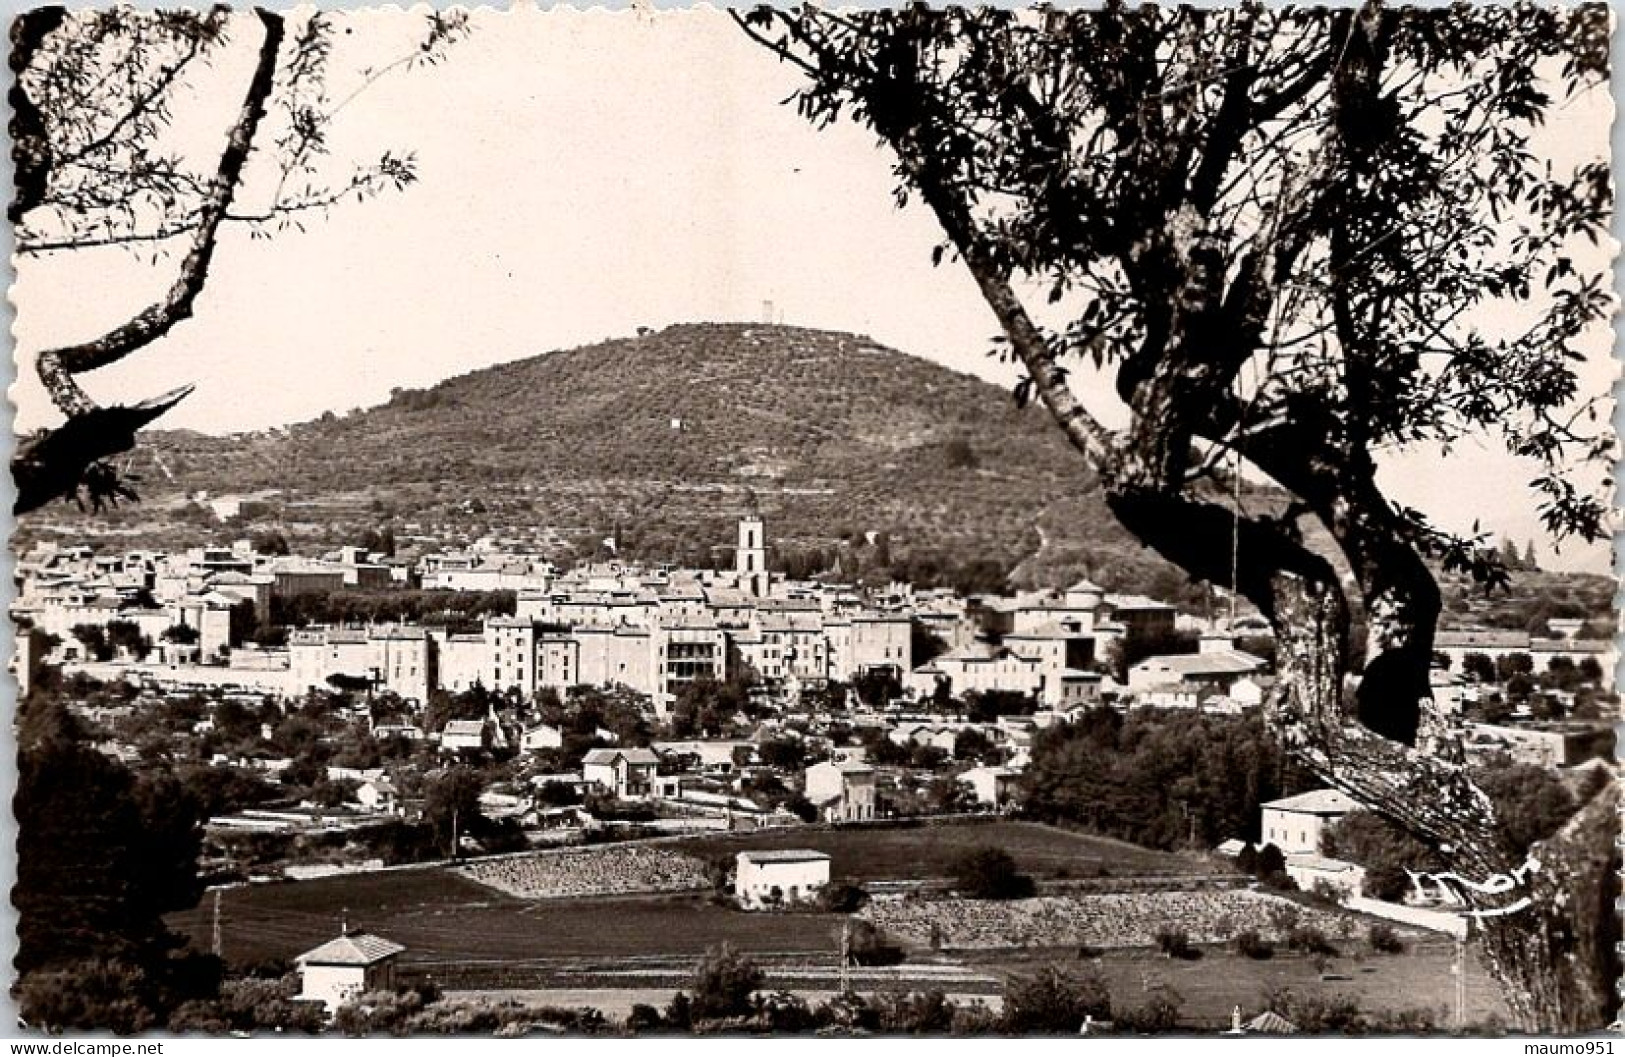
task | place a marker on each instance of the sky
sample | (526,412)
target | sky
(583,174)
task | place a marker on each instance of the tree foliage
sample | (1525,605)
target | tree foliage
(723,983)
(1292,237)
(96,165)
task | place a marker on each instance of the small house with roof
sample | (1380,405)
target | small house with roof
(462,735)
(842,791)
(1210,670)
(992,786)
(623,772)
(1295,824)
(342,968)
(773,878)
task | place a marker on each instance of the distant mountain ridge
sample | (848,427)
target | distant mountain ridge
(666,438)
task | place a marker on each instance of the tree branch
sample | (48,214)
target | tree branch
(58,366)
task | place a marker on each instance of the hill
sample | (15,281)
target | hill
(864,461)
(857,455)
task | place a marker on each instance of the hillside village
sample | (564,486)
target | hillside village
(613,698)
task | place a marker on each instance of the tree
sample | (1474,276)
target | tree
(126,636)
(102,856)
(723,982)
(1054,1002)
(94,101)
(93,637)
(181,635)
(990,873)
(451,804)
(1478,667)
(1288,232)
(271,543)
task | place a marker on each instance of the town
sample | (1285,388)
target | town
(533,729)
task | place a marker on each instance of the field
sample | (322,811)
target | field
(1214,984)
(1209,988)
(443,917)
(468,936)
(917,853)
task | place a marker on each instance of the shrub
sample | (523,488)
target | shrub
(1053,1001)
(1176,943)
(867,945)
(723,984)
(847,1012)
(990,873)
(1250,945)
(1310,940)
(643,1017)
(679,1012)
(1159,1014)
(1384,940)
(842,898)
(783,1013)
(916,1013)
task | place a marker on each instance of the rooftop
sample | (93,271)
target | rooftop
(1316,802)
(353,948)
(786,855)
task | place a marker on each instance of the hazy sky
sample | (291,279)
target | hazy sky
(581,174)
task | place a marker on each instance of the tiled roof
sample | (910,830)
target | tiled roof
(1316,802)
(355,948)
(1218,662)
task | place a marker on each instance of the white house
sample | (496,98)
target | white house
(771,878)
(991,785)
(1312,871)
(541,736)
(1295,824)
(1210,670)
(842,791)
(378,794)
(463,734)
(623,772)
(342,968)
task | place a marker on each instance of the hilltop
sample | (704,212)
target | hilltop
(664,440)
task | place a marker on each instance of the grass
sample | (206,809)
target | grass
(1221,980)
(922,852)
(468,935)
(441,917)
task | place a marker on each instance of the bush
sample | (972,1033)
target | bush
(867,945)
(842,898)
(1159,1014)
(1250,945)
(990,873)
(643,1017)
(1053,1002)
(783,1013)
(928,1013)
(847,1012)
(1176,943)
(1384,940)
(723,984)
(1310,940)
(679,1012)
